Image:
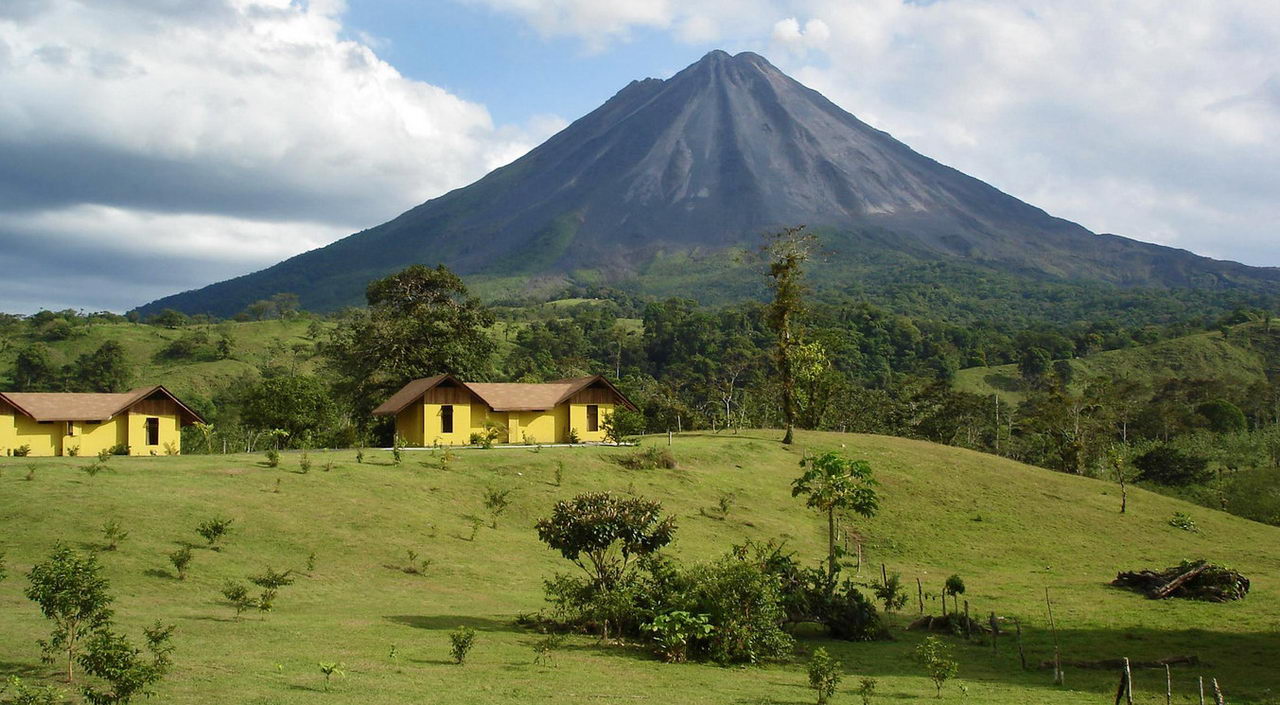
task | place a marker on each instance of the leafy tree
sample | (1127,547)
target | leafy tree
(113,532)
(1034,364)
(106,369)
(936,658)
(296,404)
(786,252)
(602,533)
(954,587)
(834,484)
(126,669)
(420,322)
(73,595)
(824,675)
(1222,416)
(1167,465)
(181,560)
(169,318)
(34,371)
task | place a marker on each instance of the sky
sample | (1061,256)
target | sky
(153,146)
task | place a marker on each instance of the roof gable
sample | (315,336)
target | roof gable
(64,406)
(502,396)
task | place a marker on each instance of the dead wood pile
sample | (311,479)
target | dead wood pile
(1193,580)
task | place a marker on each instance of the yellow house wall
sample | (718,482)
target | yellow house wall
(17,430)
(534,427)
(578,420)
(93,438)
(170,433)
(409,425)
(433,429)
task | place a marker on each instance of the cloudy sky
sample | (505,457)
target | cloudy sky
(153,146)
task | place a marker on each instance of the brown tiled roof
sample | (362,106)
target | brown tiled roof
(500,396)
(59,406)
(408,394)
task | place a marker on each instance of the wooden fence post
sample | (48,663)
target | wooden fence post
(1022,655)
(1120,689)
(1201,690)
(968,623)
(995,633)
(1168,685)
(920,595)
(1217,693)
(1057,652)
(1128,682)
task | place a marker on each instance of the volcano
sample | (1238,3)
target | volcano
(676,172)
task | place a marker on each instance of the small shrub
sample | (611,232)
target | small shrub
(73,451)
(92,469)
(112,658)
(1182,520)
(3,568)
(674,631)
(476,523)
(104,455)
(213,531)
(559,472)
(23,694)
(359,455)
(272,580)
(461,640)
(892,593)
(415,565)
(936,659)
(119,449)
(238,595)
(181,559)
(824,675)
(113,534)
(171,448)
(311,562)
(544,649)
(867,690)
(328,465)
(304,463)
(31,473)
(22,451)
(273,458)
(486,438)
(330,670)
(574,438)
(496,501)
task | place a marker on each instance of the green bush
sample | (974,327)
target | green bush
(1182,520)
(22,451)
(460,642)
(214,530)
(936,659)
(674,631)
(181,559)
(651,458)
(824,675)
(622,424)
(744,605)
(273,458)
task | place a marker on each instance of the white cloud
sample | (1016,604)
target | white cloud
(241,129)
(1150,119)
(790,34)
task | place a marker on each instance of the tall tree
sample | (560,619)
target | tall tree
(420,322)
(103,370)
(34,371)
(833,484)
(73,595)
(785,253)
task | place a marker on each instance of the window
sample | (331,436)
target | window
(593,417)
(71,428)
(153,431)
(446,418)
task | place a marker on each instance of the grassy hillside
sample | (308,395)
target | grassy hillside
(1202,356)
(1010,530)
(254,344)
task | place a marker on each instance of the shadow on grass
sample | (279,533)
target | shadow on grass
(157,573)
(21,670)
(450,622)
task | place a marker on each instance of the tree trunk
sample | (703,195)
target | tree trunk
(831,528)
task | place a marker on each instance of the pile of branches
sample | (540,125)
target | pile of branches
(1193,580)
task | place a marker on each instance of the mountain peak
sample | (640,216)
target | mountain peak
(707,160)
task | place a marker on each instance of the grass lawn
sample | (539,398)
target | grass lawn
(1010,530)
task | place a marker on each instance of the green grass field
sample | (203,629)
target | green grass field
(1201,356)
(1010,530)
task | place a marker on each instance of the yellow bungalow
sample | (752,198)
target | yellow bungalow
(145,421)
(444,410)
